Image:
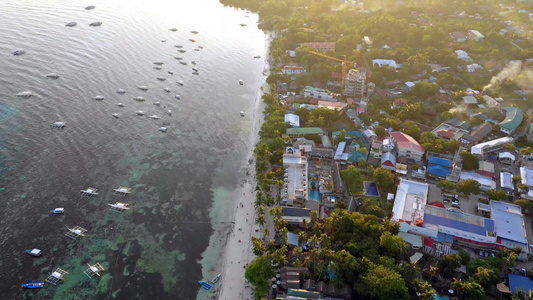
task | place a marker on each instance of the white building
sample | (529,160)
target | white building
(321,94)
(473,68)
(354,83)
(385,62)
(506,181)
(475,35)
(293,120)
(295,185)
(290,70)
(462,55)
(490,146)
(486,183)
(410,202)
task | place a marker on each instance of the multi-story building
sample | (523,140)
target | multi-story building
(295,190)
(408,147)
(354,83)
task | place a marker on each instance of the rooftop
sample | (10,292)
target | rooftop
(410,200)
(509,221)
(406,141)
(458,220)
(527,176)
(305,130)
(481,131)
(513,118)
(517,282)
(479,148)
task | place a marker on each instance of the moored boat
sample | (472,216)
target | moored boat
(173,29)
(19,52)
(177,96)
(52,75)
(140,112)
(161,78)
(34,252)
(33,285)
(95,24)
(71,24)
(58,210)
(242,113)
(139,98)
(216,279)
(169,112)
(98,97)
(120,104)
(163,129)
(182,51)
(192,40)
(241,82)
(143,87)
(158,63)
(194,31)
(180,82)
(183,63)
(121,91)
(25,94)
(204,284)
(115,115)
(90,7)
(166,89)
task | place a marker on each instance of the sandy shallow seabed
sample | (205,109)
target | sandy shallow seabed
(233,219)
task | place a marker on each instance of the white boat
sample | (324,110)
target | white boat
(52,75)
(180,82)
(163,129)
(58,125)
(195,69)
(169,112)
(242,113)
(140,113)
(161,78)
(25,94)
(71,24)
(119,206)
(98,97)
(19,52)
(115,115)
(89,192)
(122,191)
(157,103)
(143,87)
(95,24)
(166,89)
(177,96)
(58,210)
(139,98)
(120,104)
(154,117)
(241,82)
(216,279)
(121,91)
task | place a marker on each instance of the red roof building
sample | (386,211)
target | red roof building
(407,146)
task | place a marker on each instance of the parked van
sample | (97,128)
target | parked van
(450,196)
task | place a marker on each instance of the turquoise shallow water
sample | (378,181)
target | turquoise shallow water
(153,250)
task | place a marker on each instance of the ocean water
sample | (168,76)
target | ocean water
(154,249)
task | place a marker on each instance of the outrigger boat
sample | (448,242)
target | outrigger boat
(163,129)
(58,210)
(34,252)
(58,125)
(115,115)
(216,279)
(204,284)
(93,270)
(118,207)
(121,91)
(33,285)
(75,232)
(89,192)
(139,98)
(55,276)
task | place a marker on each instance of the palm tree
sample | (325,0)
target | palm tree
(258,246)
(528,151)
(304,224)
(260,219)
(302,236)
(275,212)
(432,270)
(266,233)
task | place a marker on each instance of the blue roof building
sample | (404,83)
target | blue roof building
(439,167)
(520,282)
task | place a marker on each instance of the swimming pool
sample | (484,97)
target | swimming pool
(371,189)
(314,195)
(437,297)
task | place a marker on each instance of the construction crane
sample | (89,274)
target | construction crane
(344,65)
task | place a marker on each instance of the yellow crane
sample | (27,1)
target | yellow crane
(344,65)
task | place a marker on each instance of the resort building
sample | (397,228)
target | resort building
(321,46)
(303,131)
(490,146)
(292,120)
(291,70)
(409,202)
(354,83)
(506,181)
(408,147)
(295,185)
(321,94)
(513,119)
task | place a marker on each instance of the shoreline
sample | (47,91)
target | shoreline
(236,242)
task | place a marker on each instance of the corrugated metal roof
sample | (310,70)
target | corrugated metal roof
(438,170)
(457,220)
(520,282)
(440,161)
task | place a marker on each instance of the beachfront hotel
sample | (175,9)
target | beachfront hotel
(295,187)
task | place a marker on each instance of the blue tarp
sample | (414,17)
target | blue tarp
(440,161)
(520,282)
(438,170)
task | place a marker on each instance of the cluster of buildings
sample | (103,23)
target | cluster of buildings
(424,224)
